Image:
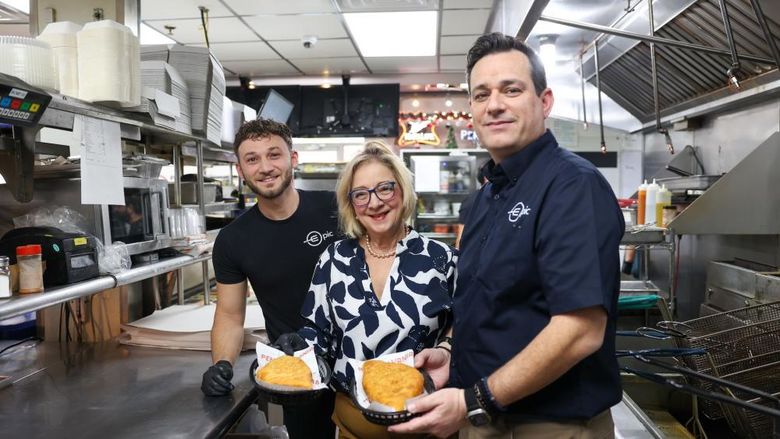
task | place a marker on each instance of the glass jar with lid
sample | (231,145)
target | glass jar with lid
(28,258)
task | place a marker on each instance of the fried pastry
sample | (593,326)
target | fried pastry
(391,384)
(286,371)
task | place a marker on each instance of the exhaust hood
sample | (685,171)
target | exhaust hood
(687,77)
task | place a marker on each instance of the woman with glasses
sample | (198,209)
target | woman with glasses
(382,290)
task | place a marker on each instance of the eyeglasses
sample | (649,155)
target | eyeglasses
(384,191)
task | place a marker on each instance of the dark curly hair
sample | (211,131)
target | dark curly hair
(260,128)
(497,42)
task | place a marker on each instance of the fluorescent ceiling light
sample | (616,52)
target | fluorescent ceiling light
(19,5)
(547,51)
(386,34)
(150,35)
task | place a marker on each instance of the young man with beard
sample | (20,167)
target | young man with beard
(535,304)
(275,245)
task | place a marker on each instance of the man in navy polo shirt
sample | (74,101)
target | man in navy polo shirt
(533,343)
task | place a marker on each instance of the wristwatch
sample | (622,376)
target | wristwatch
(475,413)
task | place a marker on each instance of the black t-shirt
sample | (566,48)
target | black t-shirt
(278,257)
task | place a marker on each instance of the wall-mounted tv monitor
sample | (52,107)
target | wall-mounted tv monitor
(361,110)
(275,107)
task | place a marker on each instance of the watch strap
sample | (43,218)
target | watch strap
(472,403)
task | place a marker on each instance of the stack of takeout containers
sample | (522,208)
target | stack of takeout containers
(61,36)
(109,62)
(28,59)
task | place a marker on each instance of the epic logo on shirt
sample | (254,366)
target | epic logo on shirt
(315,238)
(518,211)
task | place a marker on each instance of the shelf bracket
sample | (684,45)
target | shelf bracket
(16,161)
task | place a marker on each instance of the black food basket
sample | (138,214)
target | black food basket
(390,418)
(275,395)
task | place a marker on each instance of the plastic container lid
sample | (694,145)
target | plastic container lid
(61,27)
(28,250)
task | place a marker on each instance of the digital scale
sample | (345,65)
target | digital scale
(20,103)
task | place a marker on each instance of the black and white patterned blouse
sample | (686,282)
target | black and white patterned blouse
(348,321)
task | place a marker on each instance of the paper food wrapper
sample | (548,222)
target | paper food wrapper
(266,353)
(404,357)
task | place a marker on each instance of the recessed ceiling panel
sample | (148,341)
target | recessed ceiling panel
(252,50)
(294,27)
(177,9)
(273,7)
(456,45)
(323,49)
(464,22)
(411,64)
(467,4)
(333,66)
(453,63)
(261,68)
(190,31)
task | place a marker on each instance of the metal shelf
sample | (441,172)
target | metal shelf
(18,305)
(214,207)
(636,235)
(436,216)
(438,235)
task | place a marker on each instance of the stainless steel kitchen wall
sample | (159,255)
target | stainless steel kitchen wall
(722,141)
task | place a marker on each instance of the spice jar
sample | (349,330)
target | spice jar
(5,278)
(28,258)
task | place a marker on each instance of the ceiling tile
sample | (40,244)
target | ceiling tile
(251,50)
(466,4)
(323,49)
(220,30)
(409,64)
(294,27)
(273,7)
(178,9)
(453,63)
(261,68)
(334,66)
(456,45)
(466,22)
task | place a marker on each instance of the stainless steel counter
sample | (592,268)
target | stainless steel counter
(108,390)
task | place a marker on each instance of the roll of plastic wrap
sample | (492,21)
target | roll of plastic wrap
(30,60)
(61,36)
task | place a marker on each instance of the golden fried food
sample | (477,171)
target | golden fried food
(391,384)
(286,371)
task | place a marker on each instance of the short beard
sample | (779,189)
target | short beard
(272,193)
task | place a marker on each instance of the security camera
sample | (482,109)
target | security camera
(309,41)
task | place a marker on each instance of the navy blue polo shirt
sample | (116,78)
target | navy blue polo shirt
(542,239)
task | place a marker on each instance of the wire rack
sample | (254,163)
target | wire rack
(742,346)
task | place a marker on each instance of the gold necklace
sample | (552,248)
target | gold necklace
(377,255)
(386,255)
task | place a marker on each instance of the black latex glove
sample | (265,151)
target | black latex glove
(290,342)
(216,379)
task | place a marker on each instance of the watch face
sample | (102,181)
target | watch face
(479,418)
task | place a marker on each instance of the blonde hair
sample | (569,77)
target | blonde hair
(380,153)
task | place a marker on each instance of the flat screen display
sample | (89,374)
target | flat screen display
(275,107)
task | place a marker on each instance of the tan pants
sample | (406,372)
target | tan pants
(353,425)
(598,427)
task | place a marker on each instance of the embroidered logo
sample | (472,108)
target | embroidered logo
(518,211)
(315,238)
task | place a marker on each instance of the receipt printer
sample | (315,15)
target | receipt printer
(68,257)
